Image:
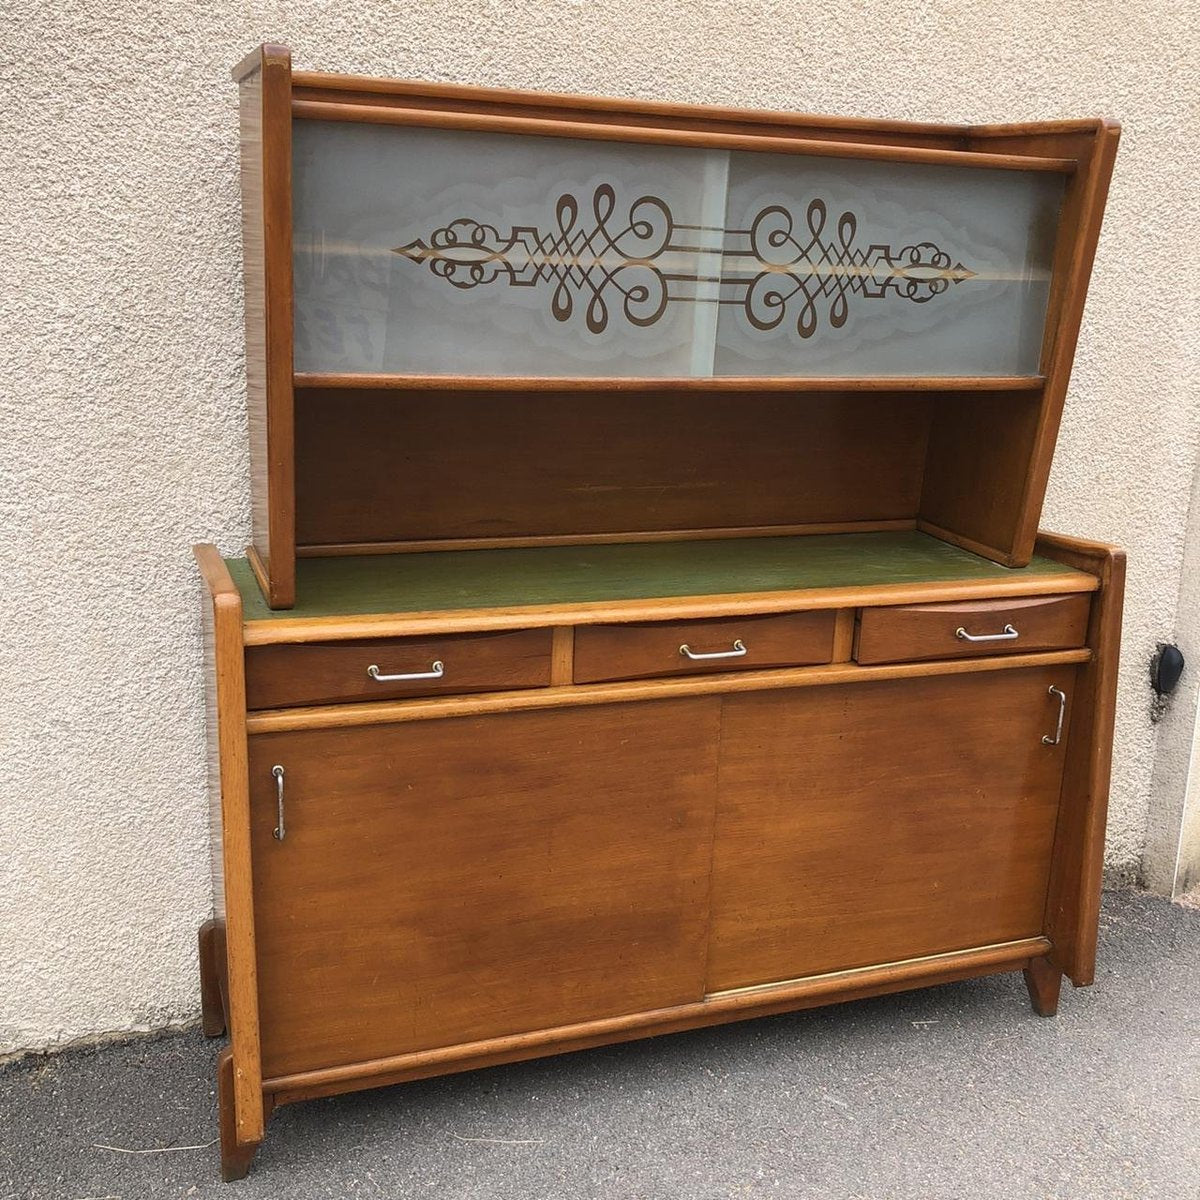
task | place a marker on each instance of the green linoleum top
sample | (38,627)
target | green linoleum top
(464,579)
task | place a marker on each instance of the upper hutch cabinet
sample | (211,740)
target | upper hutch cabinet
(478,294)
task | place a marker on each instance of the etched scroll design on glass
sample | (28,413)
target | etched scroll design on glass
(771,270)
(592,260)
(792,270)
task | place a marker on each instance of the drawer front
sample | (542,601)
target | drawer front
(657,648)
(971,629)
(341,672)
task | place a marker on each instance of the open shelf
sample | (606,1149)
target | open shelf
(547,576)
(688,383)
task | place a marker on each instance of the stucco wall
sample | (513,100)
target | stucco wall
(123,404)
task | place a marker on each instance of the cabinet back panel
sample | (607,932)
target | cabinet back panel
(394,467)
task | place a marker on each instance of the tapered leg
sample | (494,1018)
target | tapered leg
(236,1156)
(212,1010)
(1043,980)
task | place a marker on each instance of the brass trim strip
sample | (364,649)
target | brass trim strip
(1034,946)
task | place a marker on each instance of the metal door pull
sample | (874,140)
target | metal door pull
(1047,740)
(278,831)
(1009,634)
(739,649)
(435,672)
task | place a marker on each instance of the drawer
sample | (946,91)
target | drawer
(656,648)
(971,629)
(341,672)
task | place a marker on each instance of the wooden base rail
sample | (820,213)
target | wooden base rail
(725,532)
(719,1008)
(721,533)
(340,716)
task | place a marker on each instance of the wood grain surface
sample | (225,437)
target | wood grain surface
(1073,906)
(446,882)
(243,1111)
(266,175)
(334,673)
(388,466)
(719,1008)
(652,648)
(430,708)
(914,632)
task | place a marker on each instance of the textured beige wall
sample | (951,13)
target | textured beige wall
(123,406)
(1171,850)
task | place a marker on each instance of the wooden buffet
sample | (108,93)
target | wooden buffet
(646,624)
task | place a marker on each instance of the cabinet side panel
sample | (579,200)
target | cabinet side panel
(979,451)
(1073,905)
(1083,214)
(265,125)
(254,289)
(228,700)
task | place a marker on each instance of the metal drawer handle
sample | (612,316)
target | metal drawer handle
(1009,635)
(278,831)
(434,672)
(1047,740)
(739,649)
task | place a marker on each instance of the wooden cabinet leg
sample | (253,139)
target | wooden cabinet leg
(1043,980)
(212,1010)
(236,1156)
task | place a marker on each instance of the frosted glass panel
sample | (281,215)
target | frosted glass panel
(421,251)
(425,252)
(843,267)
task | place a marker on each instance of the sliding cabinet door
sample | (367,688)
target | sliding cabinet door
(882,821)
(452,880)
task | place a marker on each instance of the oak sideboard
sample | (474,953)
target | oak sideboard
(646,623)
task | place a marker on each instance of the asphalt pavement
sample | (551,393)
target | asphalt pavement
(950,1093)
